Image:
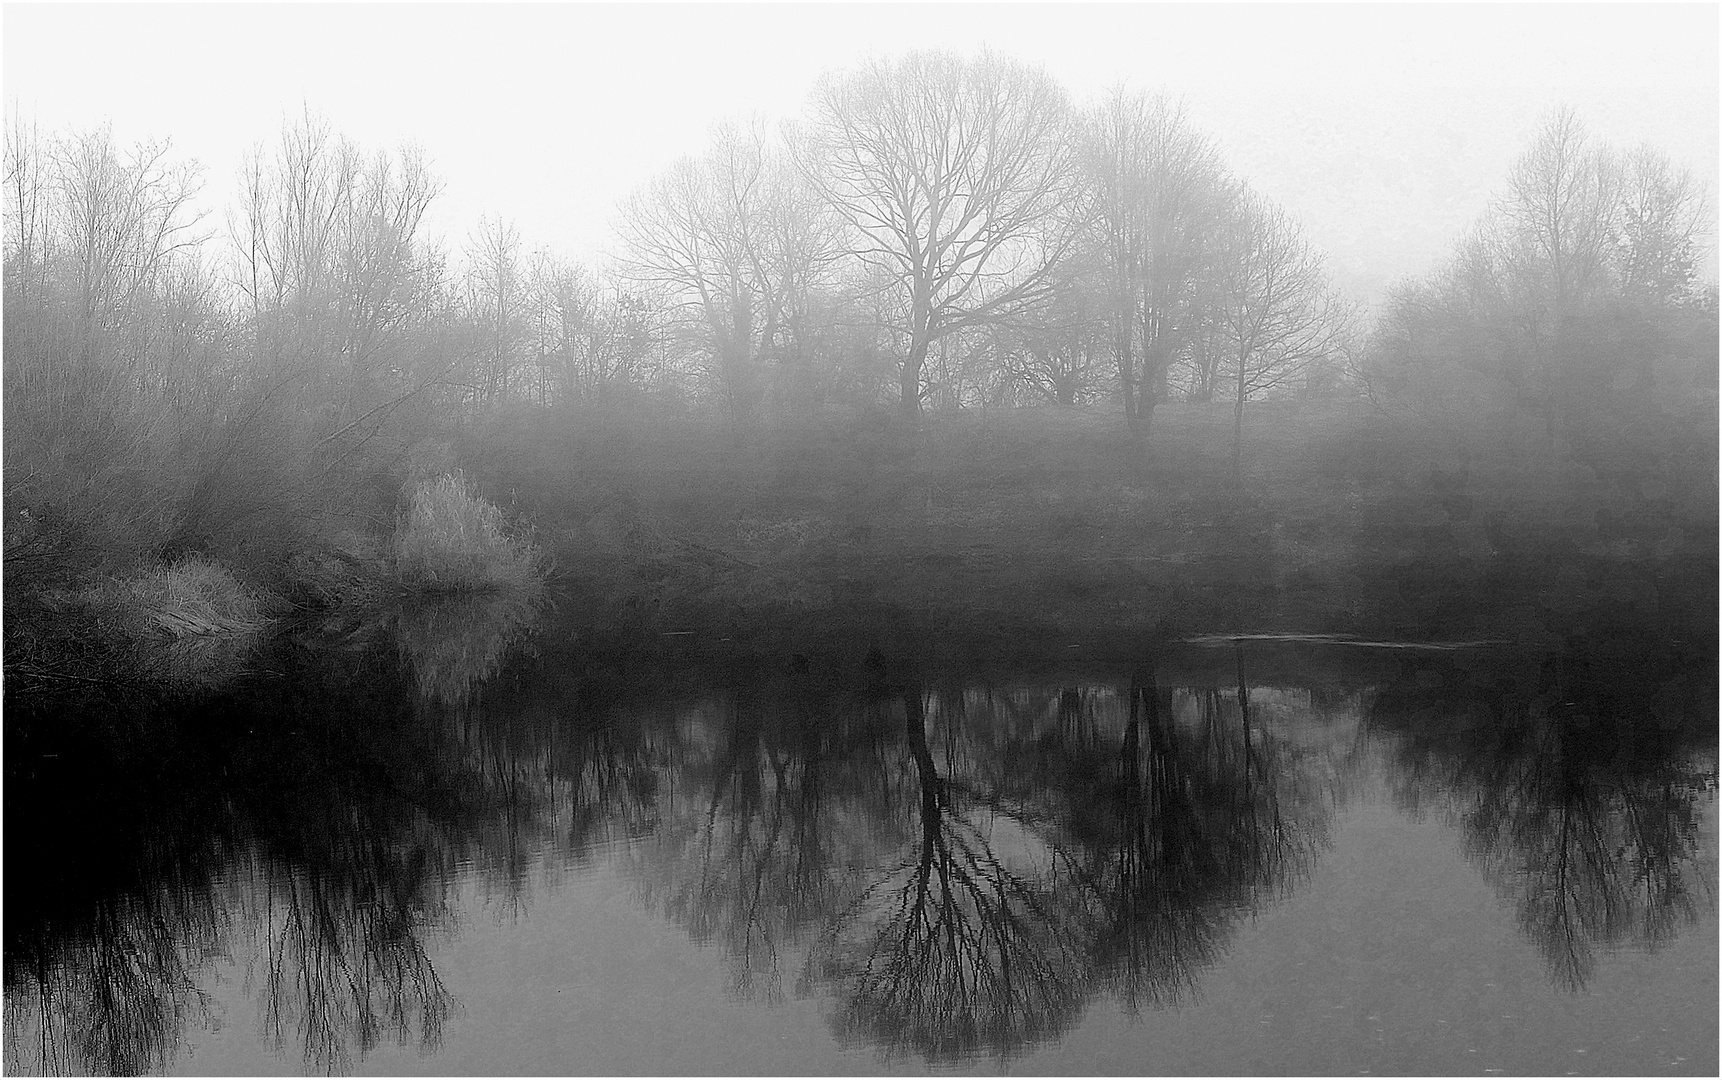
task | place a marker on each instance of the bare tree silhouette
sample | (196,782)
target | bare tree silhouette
(955,949)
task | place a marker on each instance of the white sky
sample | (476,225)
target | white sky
(1383,128)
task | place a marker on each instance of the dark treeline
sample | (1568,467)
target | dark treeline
(962,867)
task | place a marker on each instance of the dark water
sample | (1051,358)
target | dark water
(458,841)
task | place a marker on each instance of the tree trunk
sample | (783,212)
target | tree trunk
(1238,422)
(1126,374)
(1154,365)
(911,379)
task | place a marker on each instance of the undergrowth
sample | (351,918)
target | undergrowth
(189,625)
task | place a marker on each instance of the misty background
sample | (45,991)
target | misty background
(1383,129)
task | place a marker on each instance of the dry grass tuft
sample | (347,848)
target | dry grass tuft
(190,624)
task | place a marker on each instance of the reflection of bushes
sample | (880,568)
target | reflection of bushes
(452,540)
(457,642)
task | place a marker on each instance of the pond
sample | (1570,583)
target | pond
(462,840)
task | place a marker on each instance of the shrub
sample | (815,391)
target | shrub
(453,540)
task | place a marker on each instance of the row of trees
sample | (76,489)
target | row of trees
(183,380)
(995,242)
(936,229)
(942,230)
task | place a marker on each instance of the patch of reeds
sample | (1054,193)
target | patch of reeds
(451,539)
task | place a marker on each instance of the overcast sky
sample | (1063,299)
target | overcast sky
(1385,129)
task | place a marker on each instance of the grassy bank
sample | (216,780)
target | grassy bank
(1008,533)
(1061,523)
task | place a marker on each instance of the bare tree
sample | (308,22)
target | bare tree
(1058,354)
(561,299)
(124,218)
(497,289)
(1551,303)
(1559,213)
(1554,233)
(956,177)
(732,240)
(1158,187)
(27,205)
(329,261)
(1273,304)
(1663,217)
(336,291)
(97,237)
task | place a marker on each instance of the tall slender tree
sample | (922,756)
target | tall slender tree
(1273,304)
(1158,190)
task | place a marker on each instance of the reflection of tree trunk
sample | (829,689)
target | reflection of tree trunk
(1070,727)
(932,787)
(1249,780)
(967,954)
(1165,787)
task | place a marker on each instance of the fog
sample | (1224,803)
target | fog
(791,540)
(1383,129)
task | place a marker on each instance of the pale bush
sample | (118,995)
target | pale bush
(452,540)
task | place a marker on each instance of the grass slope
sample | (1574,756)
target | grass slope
(1059,525)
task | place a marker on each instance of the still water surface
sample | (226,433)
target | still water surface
(443,844)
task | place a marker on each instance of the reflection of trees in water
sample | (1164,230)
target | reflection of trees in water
(770,811)
(113,995)
(1167,878)
(338,961)
(957,947)
(965,874)
(339,957)
(961,869)
(567,770)
(1578,805)
(335,952)
(306,832)
(1180,823)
